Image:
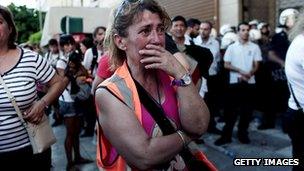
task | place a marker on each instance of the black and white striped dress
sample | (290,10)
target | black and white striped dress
(21,80)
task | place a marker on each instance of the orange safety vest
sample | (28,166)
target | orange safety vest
(122,86)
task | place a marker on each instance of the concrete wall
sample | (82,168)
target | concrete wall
(200,9)
(229,12)
(282,4)
(260,10)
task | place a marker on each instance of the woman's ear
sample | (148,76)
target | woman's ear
(120,42)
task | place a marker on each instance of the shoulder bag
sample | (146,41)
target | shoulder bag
(41,135)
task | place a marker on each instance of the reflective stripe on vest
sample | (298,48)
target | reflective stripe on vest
(123,89)
(122,86)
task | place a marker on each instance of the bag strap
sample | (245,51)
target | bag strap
(158,114)
(295,99)
(13,101)
(155,109)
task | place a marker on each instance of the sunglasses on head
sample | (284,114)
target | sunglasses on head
(123,4)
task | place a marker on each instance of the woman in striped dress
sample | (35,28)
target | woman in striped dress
(21,70)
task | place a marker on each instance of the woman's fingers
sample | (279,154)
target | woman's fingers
(34,114)
(152,59)
(159,48)
(33,118)
(153,66)
(150,52)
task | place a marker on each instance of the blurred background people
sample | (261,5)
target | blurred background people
(278,93)
(207,41)
(85,44)
(242,60)
(76,75)
(192,31)
(93,54)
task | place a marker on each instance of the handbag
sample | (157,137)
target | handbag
(194,162)
(41,135)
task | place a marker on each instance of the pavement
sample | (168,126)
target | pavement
(270,143)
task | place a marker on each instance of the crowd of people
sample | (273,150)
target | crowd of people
(102,85)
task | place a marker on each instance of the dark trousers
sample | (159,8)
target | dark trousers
(212,99)
(277,101)
(293,121)
(89,112)
(238,102)
(23,159)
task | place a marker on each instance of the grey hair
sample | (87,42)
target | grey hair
(298,28)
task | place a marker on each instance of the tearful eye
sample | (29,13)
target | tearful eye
(161,29)
(145,31)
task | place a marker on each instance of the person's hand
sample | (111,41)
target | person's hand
(35,113)
(243,78)
(81,79)
(159,58)
(245,75)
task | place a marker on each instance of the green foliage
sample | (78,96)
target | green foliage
(35,38)
(26,20)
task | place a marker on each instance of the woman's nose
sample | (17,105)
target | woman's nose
(156,38)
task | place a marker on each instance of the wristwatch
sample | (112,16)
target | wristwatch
(184,81)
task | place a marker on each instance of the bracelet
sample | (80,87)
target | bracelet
(180,133)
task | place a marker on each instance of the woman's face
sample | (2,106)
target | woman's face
(67,48)
(4,30)
(147,29)
(100,35)
(72,67)
(83,48)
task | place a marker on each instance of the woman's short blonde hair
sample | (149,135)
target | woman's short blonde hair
(122,18)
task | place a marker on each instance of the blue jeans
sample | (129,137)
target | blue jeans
(67,109)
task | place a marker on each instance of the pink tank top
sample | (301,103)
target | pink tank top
(169,105)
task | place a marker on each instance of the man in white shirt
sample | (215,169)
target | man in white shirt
(206,41)
(92,55)
(241,59)
(192,30)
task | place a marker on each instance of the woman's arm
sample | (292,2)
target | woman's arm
(97,80)
(56,86)
(126,134)
(194,113)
